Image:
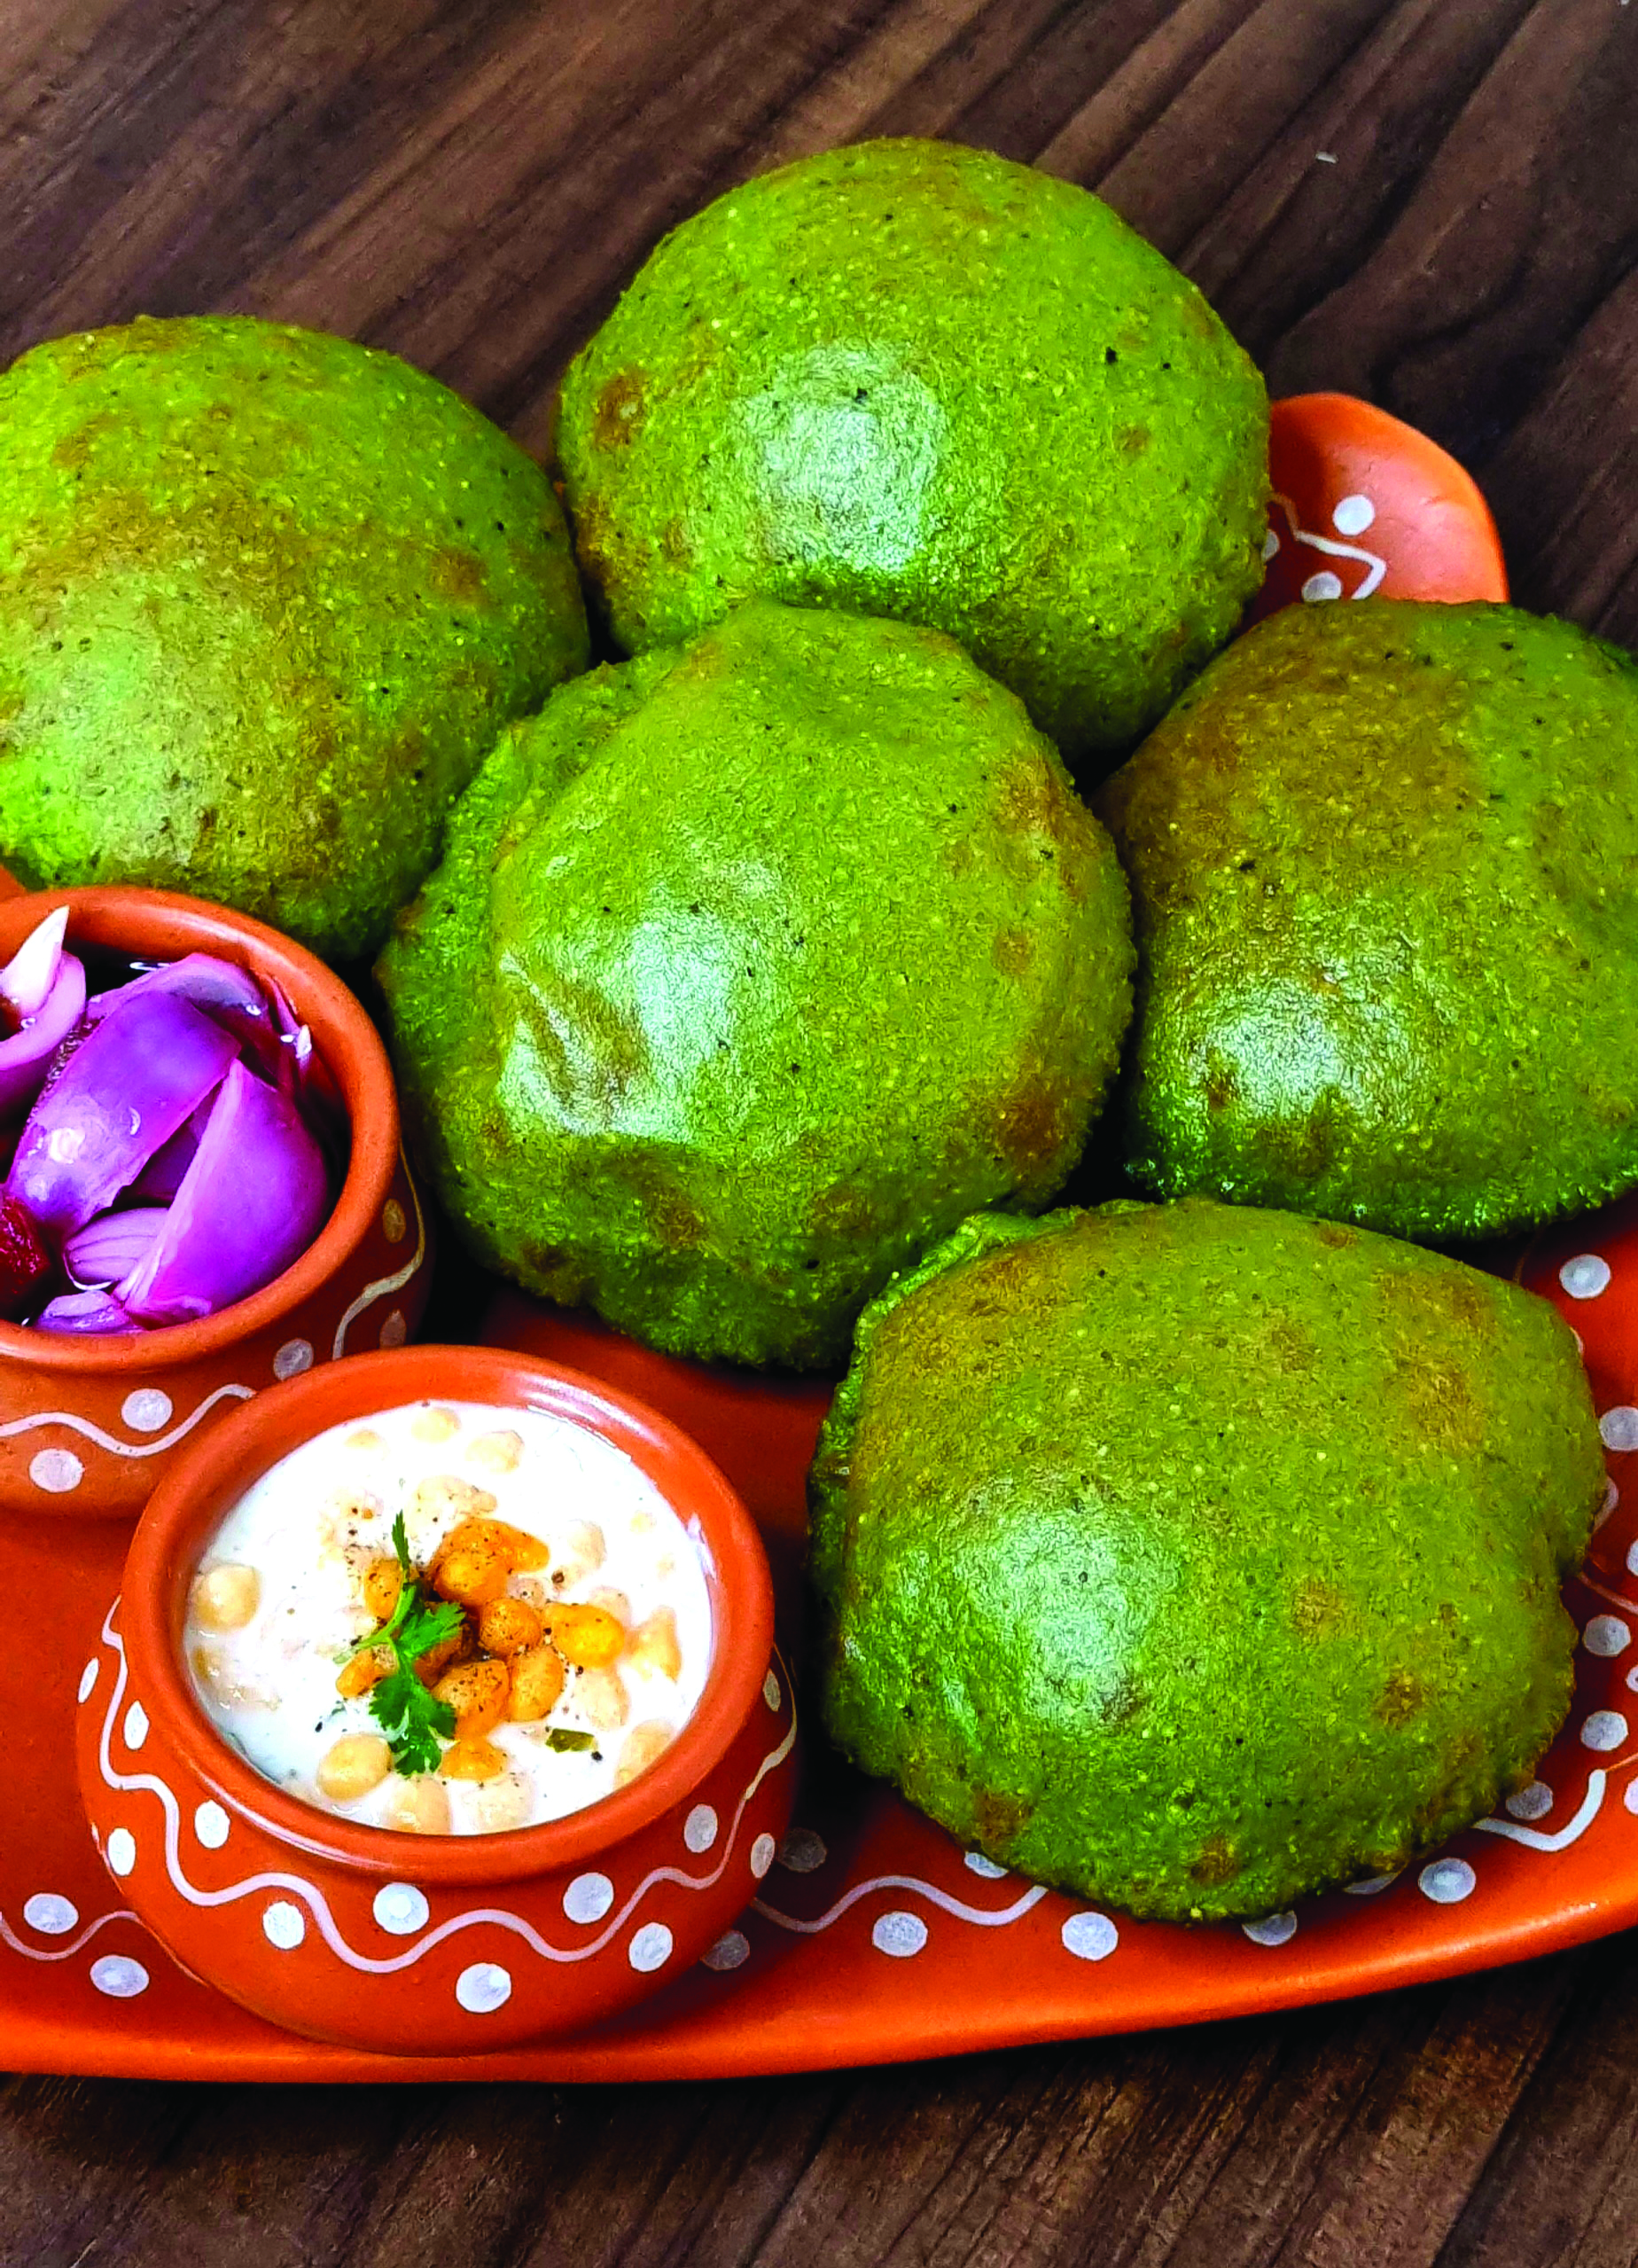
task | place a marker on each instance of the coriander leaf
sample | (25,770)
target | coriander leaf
(413,1719)
(425,1626)
(563,1737)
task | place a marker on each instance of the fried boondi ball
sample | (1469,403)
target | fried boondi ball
(1195,1557)
(750,970)
(913,378)
(266,599)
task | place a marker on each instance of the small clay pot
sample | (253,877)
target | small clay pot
(417,1943)
(90,1425)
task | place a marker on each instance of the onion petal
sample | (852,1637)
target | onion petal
(162,1178)
(255,1197)
(138,1076)
(112,1246)
(228,995)
(219,987)
(25,1056)
(28,976)
(91,1313)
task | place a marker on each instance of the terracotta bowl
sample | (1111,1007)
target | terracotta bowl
(431,1943)
(89,1427)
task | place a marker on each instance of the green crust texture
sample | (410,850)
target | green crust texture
(1195,1557)
(266,599)
(750,970)
(912,379)
(1385,867)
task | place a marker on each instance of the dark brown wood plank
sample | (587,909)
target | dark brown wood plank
(472,184)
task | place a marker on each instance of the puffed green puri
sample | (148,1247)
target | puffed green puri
(913,378)
(1195,1557)
(1384,869)
(266,599)
(750,970)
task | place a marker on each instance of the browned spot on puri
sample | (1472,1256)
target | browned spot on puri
(1336,1235)
(1440,1401)
(619,411)
(997,1820)
(458,573)
(1316,1608)
(1218,1862)
(1399,1699)
(844,1214)
(1014,949)
(74,450)
(1133,440)
(674,544)
(1032,1124)
(1125,1701)
(1222,1082)
(676,1221)
(1291,1346)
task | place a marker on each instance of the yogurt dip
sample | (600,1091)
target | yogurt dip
(580,1624)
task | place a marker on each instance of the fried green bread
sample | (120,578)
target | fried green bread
(1385,867)
(266,599)
(1195,1557)
(752,968)
(917,380)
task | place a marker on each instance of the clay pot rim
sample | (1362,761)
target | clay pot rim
(165,923)
(217,1469)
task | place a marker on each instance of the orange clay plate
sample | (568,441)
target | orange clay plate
(875,1937)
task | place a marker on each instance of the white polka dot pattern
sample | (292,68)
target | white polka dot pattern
(1090,1936)
(1618,1428)
(1586,1276)
(401,1909)
(483,1988)
(1604,1729)
(147,1409)
(650,1949)
(1273,1930)
(283,1925)
(51,1915)
(1448,1881)
(1532,1802)
(589,1897)
(119,1977)
(898,1935)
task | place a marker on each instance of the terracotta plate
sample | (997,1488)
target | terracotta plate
(875,1937)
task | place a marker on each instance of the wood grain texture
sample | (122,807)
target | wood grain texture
(471,182)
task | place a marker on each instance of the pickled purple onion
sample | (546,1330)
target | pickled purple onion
(136,1078)
(254,1199)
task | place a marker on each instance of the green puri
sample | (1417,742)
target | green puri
(915,380)
(1385,872)
(750,970)
(266,599)
(1196,1557)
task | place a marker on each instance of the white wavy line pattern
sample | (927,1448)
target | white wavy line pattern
(314,1898)
(84,1426)
(1533,1839)
(9,1936)
(985,1918)
(1373,562)
(385,1285)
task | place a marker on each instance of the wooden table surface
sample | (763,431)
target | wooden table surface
(470,182)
